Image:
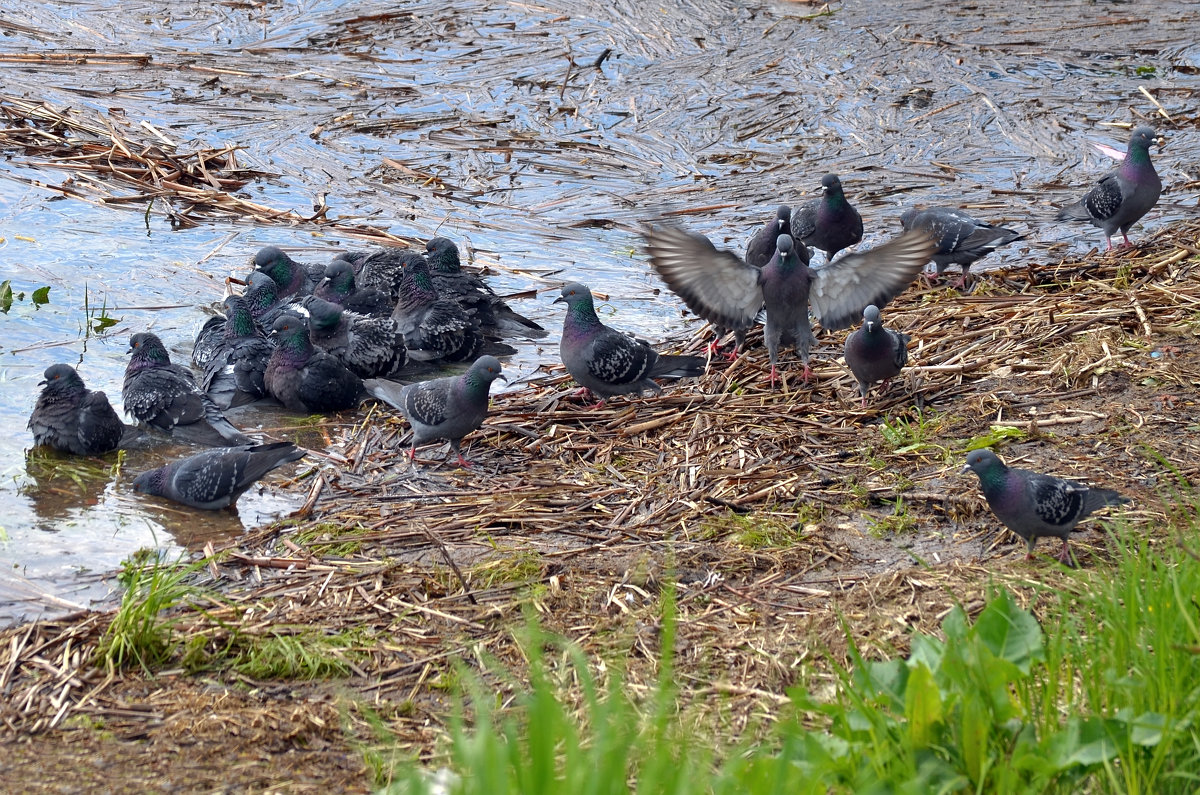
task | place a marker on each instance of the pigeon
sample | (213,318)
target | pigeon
(1122,196)
(444,408)
(728,292)
(960,238)
(208,342)
(1033,505)
(605,361)
(215,478)
(434,328)
(165,396)
(338,287)
(875,353)
(234,375)
(382,270)
(492,313)
(761,247)
(303,378)
(828,223)
(370,347)
(72,418)
(292,278)
(262,296)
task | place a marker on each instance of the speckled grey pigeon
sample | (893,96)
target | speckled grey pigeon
(72,418)
(605,361)
(339,287)
(961,240)
(828,223)
(215,478)
(494,316)
(875,353)
(1122,196)
(370,347)
(304,378)
(165,396)
(1033,505)
(444,408)
(208,342)
(382,269)
(728,292)
(434,328)
(234,375)
(292,278)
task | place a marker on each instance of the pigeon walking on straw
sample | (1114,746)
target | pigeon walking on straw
(961,240)
(444,408)
(875,353)
(729,292)
(1122,196)
(72,418)
(215,478)
(605,361)
(1033,505)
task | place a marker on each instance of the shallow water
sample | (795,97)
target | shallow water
(501,126)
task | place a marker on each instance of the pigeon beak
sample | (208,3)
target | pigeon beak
(966,468)
(503,377)
(869,325)
(562,299)
(43,382)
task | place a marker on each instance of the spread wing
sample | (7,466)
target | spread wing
(716,285)
(845,287)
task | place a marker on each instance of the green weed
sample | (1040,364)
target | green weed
(303,655)
(139,632)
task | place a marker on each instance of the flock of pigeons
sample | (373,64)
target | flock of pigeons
(319,339)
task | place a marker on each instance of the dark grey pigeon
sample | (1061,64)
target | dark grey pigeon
(828,223)
(961,240)
(339,287)
(1124,195)
(215,478)
(72,418)
(434,328)
(303,378)
(729,292)
(494,316)
(262,297)
(875,353)
(208,342)
(1033,505)
(761,247)
(370,347)
(165,396)
(444,408)
(605,361)
(234,375)
(292,278)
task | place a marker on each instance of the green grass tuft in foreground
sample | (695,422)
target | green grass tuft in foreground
(1102,696)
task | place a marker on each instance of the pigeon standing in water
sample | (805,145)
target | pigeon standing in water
(828,223)
(72,418)
(444,408)
(339,287)
(234,375)
(293,279)
(451,281)
(434,328)
(304,378)
(961,240)
(1033,505)
(607,362)
(370,347)
(729,292)
(875,353)
(215,478)
(165,396)
(1122,196)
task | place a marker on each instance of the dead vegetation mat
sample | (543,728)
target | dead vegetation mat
(784,517)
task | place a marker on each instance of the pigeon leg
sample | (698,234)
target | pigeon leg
(1109,239)
(806,373)
(714,347)
(1064,555)
(773,376)
(1126,236)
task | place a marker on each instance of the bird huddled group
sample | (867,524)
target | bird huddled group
(319,338)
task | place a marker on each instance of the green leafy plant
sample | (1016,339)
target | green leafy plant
(37,298)
(139,633)
(97,320)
